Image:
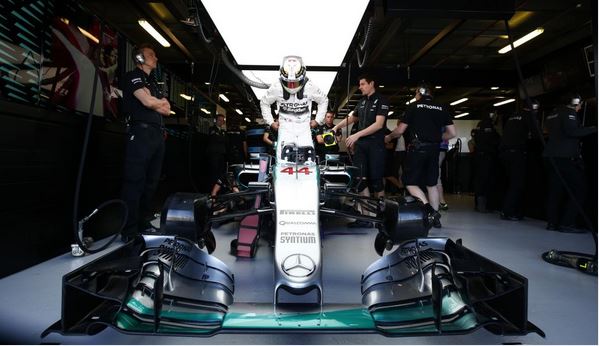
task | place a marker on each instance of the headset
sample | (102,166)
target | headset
(574,100)
(138,56)
(423,89)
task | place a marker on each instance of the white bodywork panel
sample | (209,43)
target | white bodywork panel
(298,248)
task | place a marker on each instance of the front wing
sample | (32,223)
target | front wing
(166,285)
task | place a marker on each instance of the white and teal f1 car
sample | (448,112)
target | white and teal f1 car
(169,283)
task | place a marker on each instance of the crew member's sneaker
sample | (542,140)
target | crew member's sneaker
(443,206)
(437,219)
(434,217)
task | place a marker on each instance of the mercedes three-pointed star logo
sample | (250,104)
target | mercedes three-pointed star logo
(298,265)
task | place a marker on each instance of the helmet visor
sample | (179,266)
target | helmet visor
(292,85)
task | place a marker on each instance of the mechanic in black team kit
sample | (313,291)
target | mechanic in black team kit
(368,143)
(144,106)
(322,148)
(512,152)
(563,148)
(216,150)
(424,118)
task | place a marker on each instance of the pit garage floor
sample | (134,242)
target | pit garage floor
(561,301)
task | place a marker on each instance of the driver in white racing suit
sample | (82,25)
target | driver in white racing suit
(294,95)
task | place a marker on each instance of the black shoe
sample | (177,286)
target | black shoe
(552,227)
(429,209)
(571,229)
(360,224)
(435,218)
(443,206)
(510,217)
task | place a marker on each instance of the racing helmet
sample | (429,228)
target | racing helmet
(292,74)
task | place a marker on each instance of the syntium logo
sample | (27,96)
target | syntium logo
(296,212)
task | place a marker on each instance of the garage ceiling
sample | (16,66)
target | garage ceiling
(452,45)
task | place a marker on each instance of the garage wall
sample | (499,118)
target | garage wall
(39,158)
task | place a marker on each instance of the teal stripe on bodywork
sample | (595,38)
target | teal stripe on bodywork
(138,307)
(129,323)
(351,319)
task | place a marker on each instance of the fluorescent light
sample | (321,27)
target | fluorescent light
(494,88)
(504,102)
(390,113)
(248,120)
(187,97)
(64,20)
(411,101)
(461,115)
(88,35)
(522,40)
(277,19)
(207,83)
(205,110)
(155,34)
(173,112)
(322,79)
(381,86)
(437,87)
(223,97)
(238,111)
(459,101)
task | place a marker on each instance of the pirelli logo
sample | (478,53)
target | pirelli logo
(296,212)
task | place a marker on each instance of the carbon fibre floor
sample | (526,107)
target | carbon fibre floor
(562,302)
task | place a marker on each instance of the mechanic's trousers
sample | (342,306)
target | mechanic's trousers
(514,162)
(143,164)
(572,171)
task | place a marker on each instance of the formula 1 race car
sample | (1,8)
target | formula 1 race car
(169,283)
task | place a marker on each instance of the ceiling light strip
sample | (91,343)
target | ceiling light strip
(504,102)
(88,35)
(522,40)
(153,32)
(458,101)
